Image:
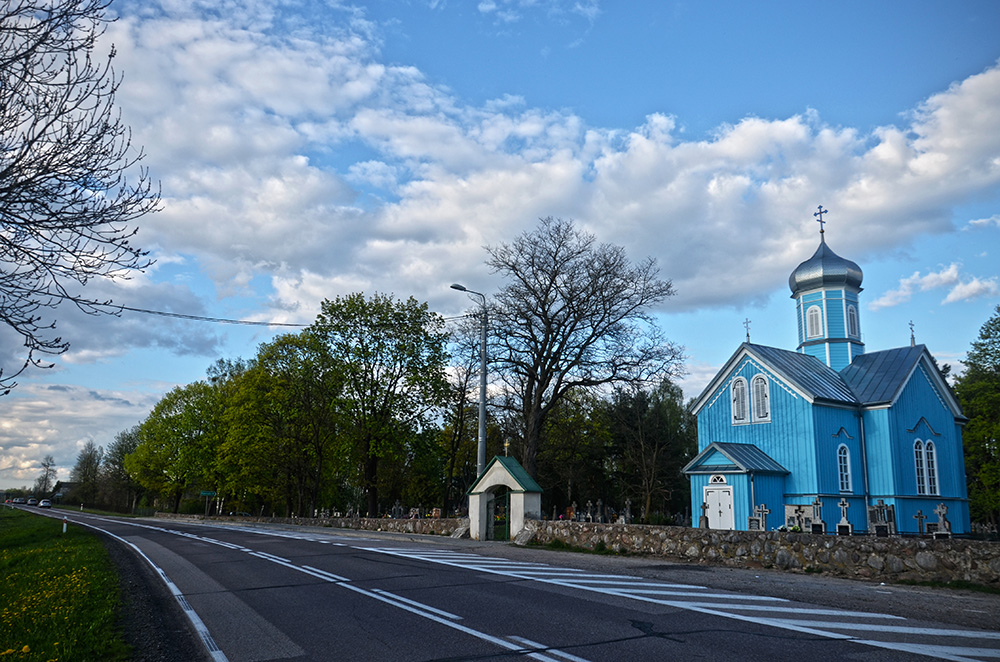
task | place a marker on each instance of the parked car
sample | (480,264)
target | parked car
(18,499)
(32,501)
(44,503)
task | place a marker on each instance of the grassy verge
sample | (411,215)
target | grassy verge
(59,594)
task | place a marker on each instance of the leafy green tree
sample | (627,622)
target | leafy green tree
(177,443)
(118,490)
(282,424)
(391,357)
(573,314)
(655,435)
(459,437)
(573,462)
(86,473)
(978,390)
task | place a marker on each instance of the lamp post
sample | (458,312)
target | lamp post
(481,454)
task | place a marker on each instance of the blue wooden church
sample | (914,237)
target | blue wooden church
(829,437)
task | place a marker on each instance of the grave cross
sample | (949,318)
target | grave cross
(762,511)
(942,511)
(817,508)
(920,517)
(843,505)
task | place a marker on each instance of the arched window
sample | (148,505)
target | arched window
(918,459)
(739,395)
(814,322)
(852,321)
(930,463)
(844,468)
(761,397)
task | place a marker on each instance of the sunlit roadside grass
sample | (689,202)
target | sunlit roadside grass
(58,592)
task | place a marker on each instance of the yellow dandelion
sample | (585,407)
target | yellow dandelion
(26,649)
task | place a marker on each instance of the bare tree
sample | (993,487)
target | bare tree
(573,314)
(44,483)
(66,204)
(86,473)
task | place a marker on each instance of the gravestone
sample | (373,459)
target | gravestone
(818,526)
(943,528)
(882,519)
(844,527)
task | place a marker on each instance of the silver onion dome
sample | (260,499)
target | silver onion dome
(824,268)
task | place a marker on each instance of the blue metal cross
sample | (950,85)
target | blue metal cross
(820,219)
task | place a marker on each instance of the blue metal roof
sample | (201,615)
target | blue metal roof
(807,372)
(877,377)
(745,458)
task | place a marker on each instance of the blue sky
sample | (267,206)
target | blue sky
(313,149)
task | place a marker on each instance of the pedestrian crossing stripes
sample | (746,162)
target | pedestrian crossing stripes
(869,629)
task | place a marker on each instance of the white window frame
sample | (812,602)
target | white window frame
(814,321)
(739,400)
(852,322)
(844,468)
(761,414)
(918,462)
(930,466)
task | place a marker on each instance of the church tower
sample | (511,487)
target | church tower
(825,288)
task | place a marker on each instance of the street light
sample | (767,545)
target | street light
(481,455)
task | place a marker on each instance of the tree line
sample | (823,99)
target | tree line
(375,403)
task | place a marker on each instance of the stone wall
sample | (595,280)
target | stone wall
(426,526)
(885,559)
(867,557)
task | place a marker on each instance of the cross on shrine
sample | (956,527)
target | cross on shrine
(819,215)
(746,325)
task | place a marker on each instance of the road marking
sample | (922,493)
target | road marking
(642,591)
(192,615)
(541,647)
(439,612)
(627,589)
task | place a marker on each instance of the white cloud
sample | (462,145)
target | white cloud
(34,425)
(986,222)
(973,289)
(308,159)
(947,277)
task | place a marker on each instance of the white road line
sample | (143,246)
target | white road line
(439,612)
(192,615)
(796,610)
(895,629)
(551,651)
(955,653)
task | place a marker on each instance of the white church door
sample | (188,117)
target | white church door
(719,499)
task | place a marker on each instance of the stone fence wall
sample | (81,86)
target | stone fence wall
(868,557)
(425,526)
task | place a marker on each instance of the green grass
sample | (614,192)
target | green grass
(59,596)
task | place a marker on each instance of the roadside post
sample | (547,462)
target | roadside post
(207,495)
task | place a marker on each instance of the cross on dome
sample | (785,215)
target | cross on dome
(819,215)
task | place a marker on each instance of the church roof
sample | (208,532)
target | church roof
(878,377)
(721,457)
(872,379)
(807,372)
(824,268)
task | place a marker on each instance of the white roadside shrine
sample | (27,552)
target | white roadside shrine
(504,475)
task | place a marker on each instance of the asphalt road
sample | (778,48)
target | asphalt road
(264,593)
